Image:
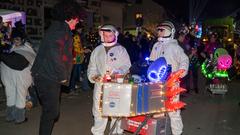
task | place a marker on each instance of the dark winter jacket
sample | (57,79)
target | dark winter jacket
(54,57)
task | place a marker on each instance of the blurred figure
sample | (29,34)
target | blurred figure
(145,47)
(212,45)
(19,26)
(168,48)
(181,37)
(4,33)
(78,58)
(120,36)
(131,47)
(17,82)
(193,71)
(108,57)
(53,64)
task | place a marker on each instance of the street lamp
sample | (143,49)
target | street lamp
(139,19)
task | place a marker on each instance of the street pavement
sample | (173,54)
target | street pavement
(205,114)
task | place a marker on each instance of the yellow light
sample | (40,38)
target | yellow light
(229,39)
(138,15)
(161,93)
(148,35)
(161,86)
(205,39)
(163,109)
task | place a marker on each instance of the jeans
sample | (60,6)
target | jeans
(33,95)
(192,73)
(85,82)
(49,95)
(75,76)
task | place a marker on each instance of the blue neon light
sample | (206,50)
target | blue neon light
(158,71)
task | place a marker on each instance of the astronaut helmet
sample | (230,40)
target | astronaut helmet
(108,28)
(166,31)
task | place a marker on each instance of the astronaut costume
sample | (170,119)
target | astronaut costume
(168,48)
(115,59)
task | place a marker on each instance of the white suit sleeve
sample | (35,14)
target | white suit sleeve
(182,59)
(92,68)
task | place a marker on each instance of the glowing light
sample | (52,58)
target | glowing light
(138,15)
(224,62)
(148,35)
(213,74)
(205,39)
(158,71)
(153,76)
(161,72)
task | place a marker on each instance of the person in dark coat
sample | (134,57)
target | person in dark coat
(53,63)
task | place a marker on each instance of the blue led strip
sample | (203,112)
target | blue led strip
(145,96)
(139,99)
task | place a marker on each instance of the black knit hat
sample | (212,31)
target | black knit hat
(17,33)
(19,24)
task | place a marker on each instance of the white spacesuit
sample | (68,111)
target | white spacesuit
(168,48)
(107,57)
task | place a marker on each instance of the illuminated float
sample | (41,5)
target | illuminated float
(216,71)
(135,101)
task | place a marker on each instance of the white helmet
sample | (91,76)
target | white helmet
(169,30)
(109,28)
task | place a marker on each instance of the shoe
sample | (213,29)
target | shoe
(29,105)
(85,90)
(77,86)
(73,93)
(196,90)
(10,120)
(21,122)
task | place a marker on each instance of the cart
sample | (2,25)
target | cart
(145,125)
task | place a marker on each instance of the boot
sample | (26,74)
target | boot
(10,111)
(20,116)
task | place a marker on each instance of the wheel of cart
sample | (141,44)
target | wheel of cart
(217,86)
(218,89)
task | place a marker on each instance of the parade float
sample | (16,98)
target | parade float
(136,102)
(216,71)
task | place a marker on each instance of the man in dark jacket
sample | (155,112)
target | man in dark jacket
(53,64)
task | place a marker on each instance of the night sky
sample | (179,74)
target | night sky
(178,10)
(213,9)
